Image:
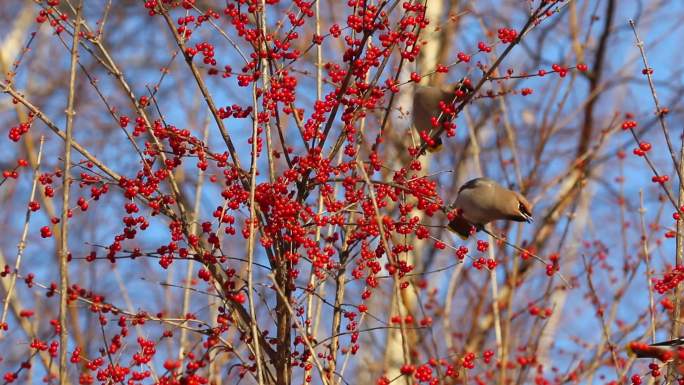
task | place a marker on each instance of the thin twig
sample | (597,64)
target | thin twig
(191,261)
(527,253)
(66,187)
(644,245)
(252,236)
(659,110)
(600,315)
(388,251)
(492,273)
(22,241)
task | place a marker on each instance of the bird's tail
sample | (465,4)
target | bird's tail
(461,227)
(437,147)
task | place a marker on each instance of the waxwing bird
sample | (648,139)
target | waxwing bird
(481,201)
(670,352)
(426,106)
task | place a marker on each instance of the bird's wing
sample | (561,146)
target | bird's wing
(675,342)
(475,183)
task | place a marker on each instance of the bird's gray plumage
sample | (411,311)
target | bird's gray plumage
(483,200)
(426,106)
(426,100)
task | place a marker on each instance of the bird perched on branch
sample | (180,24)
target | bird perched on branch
(427,114)
(481,201)
(671,351)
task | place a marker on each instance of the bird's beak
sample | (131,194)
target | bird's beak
(528,218)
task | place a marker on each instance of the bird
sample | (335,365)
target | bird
(671,351)
(426,105)
(482,200)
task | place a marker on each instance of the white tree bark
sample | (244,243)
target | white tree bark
(394,356)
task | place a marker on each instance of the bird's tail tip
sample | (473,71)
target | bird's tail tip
(458,227)
(436,148)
